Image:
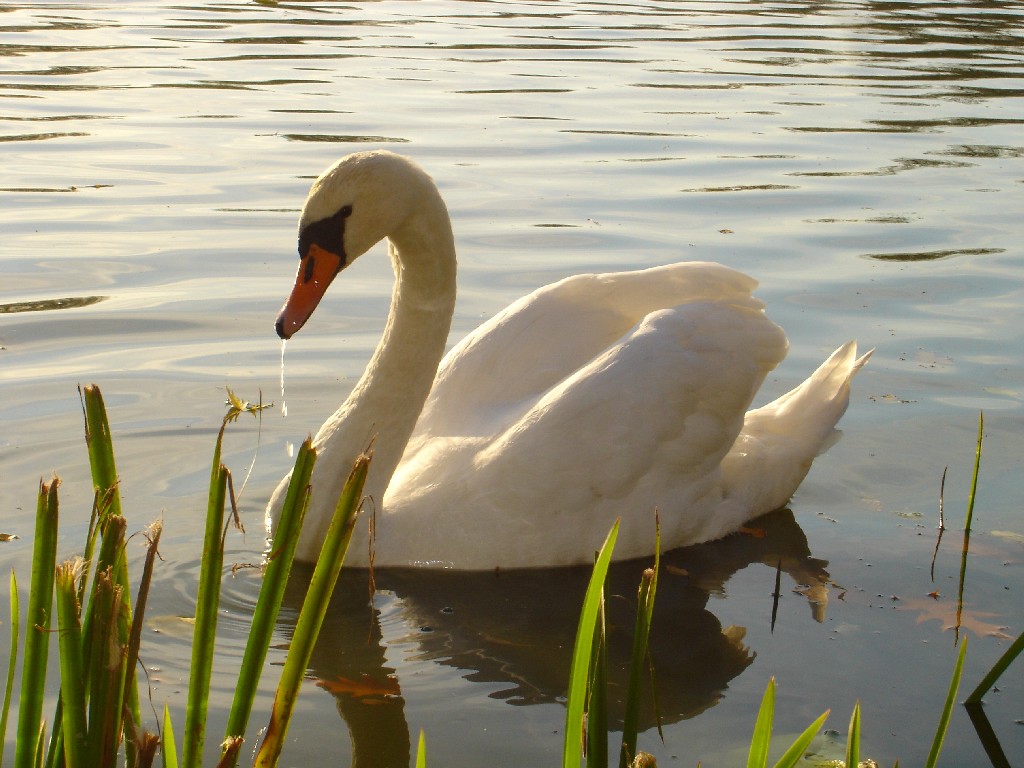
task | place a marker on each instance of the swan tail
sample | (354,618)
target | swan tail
(821,399)
(779,441)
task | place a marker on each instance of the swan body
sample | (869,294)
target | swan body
(597,397)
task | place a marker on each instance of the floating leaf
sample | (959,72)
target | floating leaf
(364,688)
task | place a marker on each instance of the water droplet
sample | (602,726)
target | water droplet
(284,403)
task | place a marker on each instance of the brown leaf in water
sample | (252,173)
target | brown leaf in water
(365,687)
(932,609)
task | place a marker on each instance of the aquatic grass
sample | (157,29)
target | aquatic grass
(12,661)
(169,743)
(641,636)
(72,667)
(153,534)
(997,671)
(207,601)
(311,615)
(96,715)
(757,757)
(1017,646)
(268,604)
(947,709)
(853,737)
(760,739)
(586,720)
(596,718)
(100,445)
(37,628)
(583,647)
(421,751)
(968,522)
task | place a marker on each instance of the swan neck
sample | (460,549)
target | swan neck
(398,379)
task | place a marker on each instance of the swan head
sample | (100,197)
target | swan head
(353,205)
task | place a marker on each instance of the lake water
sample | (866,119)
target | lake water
(863,160)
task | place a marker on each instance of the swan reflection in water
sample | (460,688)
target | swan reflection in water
(516,629)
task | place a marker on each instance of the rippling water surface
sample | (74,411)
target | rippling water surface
(864,160)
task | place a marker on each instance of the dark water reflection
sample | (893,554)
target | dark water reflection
(515,630)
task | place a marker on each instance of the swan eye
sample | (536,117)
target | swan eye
(345,212)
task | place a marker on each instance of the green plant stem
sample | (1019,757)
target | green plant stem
(12,660)
(572,745)
(101,450)
(311,615)
(205,629)
(597,697)
(760,741)
(37,626)
(974,477)
(968,521)
(796,750)
(72,668)
(170,750)
(853,738)
(275,579)
(135,637)
(641,637)
(108,521)
(997,670)
(105,676)
(421,751)
(947,709)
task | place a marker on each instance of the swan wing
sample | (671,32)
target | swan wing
(644,422)
(543,338)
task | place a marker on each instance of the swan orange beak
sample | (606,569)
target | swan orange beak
(317,269)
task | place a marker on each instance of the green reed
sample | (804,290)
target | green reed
(586,723)
(96,720)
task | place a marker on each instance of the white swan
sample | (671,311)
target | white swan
(596,397)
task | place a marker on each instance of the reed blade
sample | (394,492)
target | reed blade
(853,737)
(997,670)
(311,615)
(641,642)
(12,660)
(268,604)
(762,736)
(135,636)
(987,736)
(169,748)
(72,668)
(105,672)
(596,715)
(37,626)
(101,450)
(947,709)
(205,628)
(576,703)
(967,524)
(792,756)
(421,751)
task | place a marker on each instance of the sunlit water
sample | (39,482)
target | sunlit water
(863,160)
